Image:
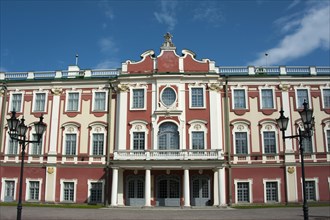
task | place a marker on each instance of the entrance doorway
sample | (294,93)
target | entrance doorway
(200,187)
(135,191)
(168,190)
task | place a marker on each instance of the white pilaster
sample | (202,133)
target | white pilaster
(147,189)
(222,189)
(50,184)
(114,190)
(215,188)
(120,194)
(122,121)
(215,120)
(54,127)
(186,188)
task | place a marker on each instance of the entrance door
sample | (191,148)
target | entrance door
(9,190)
(135,191)
(200,191)
(168,191)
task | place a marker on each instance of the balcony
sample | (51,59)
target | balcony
(216,154)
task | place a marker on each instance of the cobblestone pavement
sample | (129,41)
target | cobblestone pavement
(46,213)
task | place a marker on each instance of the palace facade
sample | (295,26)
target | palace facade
(168,130)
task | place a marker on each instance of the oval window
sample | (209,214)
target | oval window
(168,96)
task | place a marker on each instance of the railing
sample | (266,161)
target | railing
(169,155)
(233,70)
(16,76)
(105,73)
(299,70)
(44,75)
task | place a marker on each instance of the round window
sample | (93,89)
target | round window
(168,96)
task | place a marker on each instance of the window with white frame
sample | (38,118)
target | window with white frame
(168,136)
(39,101)
(311,190)
(33,189)
(198,133)
(243,191)
(70,140)
(138,134)
(240,98)
(138,98)
(241,134)
(8,189)
(99,100)
(95,194)
(302,95)
(12,146)
(16,103)
(73,101)
(325,97)
(98,139)
(269,138)
(197,97)
(271,190)
(307,145)
(327,132)
(267,98)
(68,190)
(168,96)
(98,144)
(36,148)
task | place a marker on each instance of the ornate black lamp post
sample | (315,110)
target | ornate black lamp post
(308,120)
(17,131)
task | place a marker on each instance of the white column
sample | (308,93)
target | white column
(222,189)
(53,142)
(114,186)
(147,189)
(122,120)
(215,120)
(215,188)
(120,189)
(186,188)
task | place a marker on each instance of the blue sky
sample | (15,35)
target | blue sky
(37,35)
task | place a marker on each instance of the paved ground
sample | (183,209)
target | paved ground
(45,213)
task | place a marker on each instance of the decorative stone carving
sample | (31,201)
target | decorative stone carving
(291,170)
(123,87)
(215,87)
(57,90)
(284,87)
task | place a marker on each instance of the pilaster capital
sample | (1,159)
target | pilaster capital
(284,87)
(57,90)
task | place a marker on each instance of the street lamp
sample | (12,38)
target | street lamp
(308,120)
(17,131)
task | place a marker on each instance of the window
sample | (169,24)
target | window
(70,144)
(12,146)
(267,99)
(302,95)
(168,96)
(197,140)
(68,192)
(241,142)
(269,142)
(34,190)
(36,147)
(8,189)
(16,102)
(98,144)
(310,190)
(99,101)
(197,97)
(328,139)
(39,102)
(239,99)
(243,192)
(272,192)
(96,192)
(307,145)
(138,140)
(326,98)
(73,101)
(138,98)
(168,136)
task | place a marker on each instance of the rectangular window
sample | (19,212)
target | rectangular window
(99,101)
(36,147)
(13,146)
(138,140)
(96,193)
(98,143)
(326,98)
(302,95)
(267,98)
(9,191)
(138,98)
(307,145)
(243,192)
(269,142)
(241,143)
(16,102)
(271,192)
(34,190)
(328,139)
(239,99)
(197,97)
(73,101)
(68,191)
(197,140)
(310,190)
(39,103)
(70,144)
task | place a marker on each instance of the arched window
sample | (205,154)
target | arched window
(168,136)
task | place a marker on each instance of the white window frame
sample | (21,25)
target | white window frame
(197,86)
(35,97)
(97,128)
(105,101)
(138,126)
(312,155)
(199,126)
(250,181)
(316,180)
(144,88)
(269,126)
(67,100)
(278,181)
(245,88)
(32,157)
(322,95)
(325,129)
(70,129)
(8,139)
(308,94)
(3,187)
(161,98)
(266,87)
(74,181)
(12,93)
(241,126)
(27,189)
(89,183)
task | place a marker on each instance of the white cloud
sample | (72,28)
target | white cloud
(108,64)
(167,14)
(107,45)
(108,12)
(209,12)
(312,32)
(293,4)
